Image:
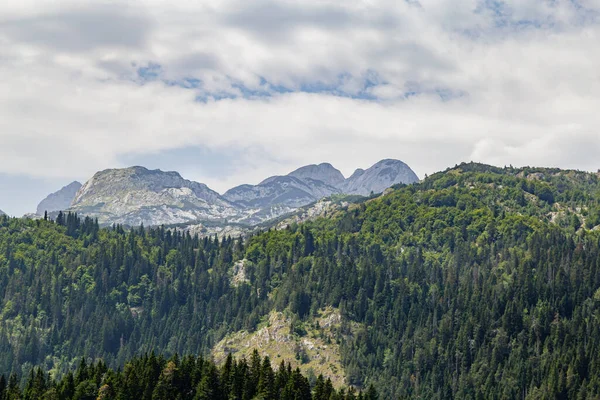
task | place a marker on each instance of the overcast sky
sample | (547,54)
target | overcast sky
(229,92)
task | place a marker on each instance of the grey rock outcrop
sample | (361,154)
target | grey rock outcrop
(278,195)
(280,190)
(355,175)
(60,200)
(323,172)
(136,195)
(379,177)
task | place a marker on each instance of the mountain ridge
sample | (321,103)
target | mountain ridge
(59,200)
(475,282)
(313,182)
(324,172)
(379,177)
(137,195)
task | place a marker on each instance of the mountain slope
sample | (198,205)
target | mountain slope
(380,176)
(2,212)
(277,337)
(281,194)
(60,200)
(136,195)
(478,282)
(280,190)
(152,377)
(323,172)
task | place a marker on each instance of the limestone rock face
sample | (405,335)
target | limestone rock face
(323,172)
(379,177)
(136,195)
(355,175)
(279,195)
(280,190)
(60,200)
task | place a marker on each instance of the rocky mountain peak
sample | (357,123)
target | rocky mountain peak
(59,200)
(379,177)
(323,172)
(112,181)
(277,195)
(356,174)
(138,195)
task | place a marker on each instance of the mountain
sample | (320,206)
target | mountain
(299,188)
(2,213)
(281,194)
(136,195)
(276,196)
(323,172)
(280,190)
(60,200)
(382,175)
(478,282)
(355,175)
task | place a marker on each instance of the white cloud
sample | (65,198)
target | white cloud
(71,101)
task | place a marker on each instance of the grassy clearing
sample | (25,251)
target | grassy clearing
(313,345)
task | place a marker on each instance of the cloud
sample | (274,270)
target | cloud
(80,29)
(273,85)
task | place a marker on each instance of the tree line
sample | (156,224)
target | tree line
(152,377)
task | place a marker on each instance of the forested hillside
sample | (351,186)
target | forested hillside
(154,378)
(477,283)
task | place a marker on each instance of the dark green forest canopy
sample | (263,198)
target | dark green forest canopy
(479,282)
(154,378)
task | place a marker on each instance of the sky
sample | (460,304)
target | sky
(232,91)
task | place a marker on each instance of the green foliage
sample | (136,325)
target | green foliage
(155,378)
(479,282)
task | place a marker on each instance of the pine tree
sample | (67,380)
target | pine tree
(209,387)
(13,391)
(166,388)
(266,384)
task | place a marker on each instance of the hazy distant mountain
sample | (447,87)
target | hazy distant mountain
(136,195)
(60,200)
(280,190)
(313,182)
(2,213)
(355,175)
(379,177)
(276,196)
(323,172)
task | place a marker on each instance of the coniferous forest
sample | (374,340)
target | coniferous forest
(151,377)
(477,283)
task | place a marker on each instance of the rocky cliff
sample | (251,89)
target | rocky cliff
(136,195)
(60,200)
(379,177)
